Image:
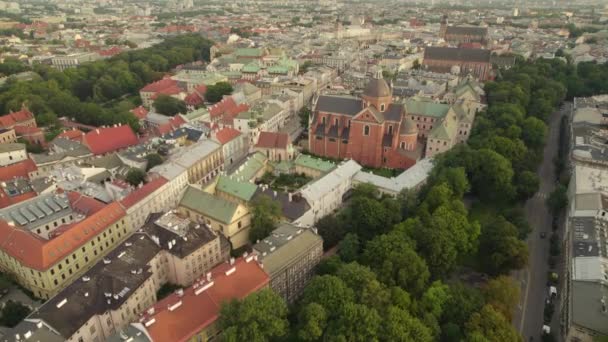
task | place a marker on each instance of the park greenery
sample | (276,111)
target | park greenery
(100,92)
(401,262)
(12,313)
(169,105)
(265,216)
(216,92)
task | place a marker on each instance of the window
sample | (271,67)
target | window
(403,145)
(382,107)
(55,282)
(366,130)
(323,120)
(332,139)
(390,129)
(336,122)
(52,271)
(239,225)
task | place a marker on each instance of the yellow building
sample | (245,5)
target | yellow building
(51,240)
(229,218)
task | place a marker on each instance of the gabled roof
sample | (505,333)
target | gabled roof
(17,170)
(273,140)
(457,54)
(426,108)
(238,189)
(72,134)
(143,192)
(339,105)
(226,135)
(159,85)
(208,205)
(178,317)
(140,112)
(14,118)
(467,30)
(39,254)
(109,139)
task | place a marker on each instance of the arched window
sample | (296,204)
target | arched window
(366,130)
(403,145)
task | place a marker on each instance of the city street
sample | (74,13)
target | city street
(528,318)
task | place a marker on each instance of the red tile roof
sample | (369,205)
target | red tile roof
(11,119)
(84,204)
(200,305)
(173,124)
(72,134)
(159,85)
(193,99)
(140,112)
(227,110)
(113,51)
(273,140)
(27,130)
(37,253)
(139,194)
(109,139)
(226,134)
(17,170)
(6,200)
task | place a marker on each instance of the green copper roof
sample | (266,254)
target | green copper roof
(233,187)
(248,52)
(251,67)
(283,166)
(314,163)
(278,69)
(426,108)
(208,205)
(251,167)
(446,130)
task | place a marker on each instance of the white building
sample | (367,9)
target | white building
(12,153)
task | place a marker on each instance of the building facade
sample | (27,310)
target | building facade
(371,130)
(459,61)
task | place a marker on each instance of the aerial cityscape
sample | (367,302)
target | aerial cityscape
(303,170)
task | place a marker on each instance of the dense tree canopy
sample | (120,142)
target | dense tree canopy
(216,92)
(266,214)
(169,105)
(90,93)
(259,317)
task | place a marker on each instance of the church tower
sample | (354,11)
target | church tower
(443,26)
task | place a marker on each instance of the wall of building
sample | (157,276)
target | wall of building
(12,157)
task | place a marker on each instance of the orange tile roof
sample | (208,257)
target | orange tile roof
(159,85)
(143,192)
(72,134)
(110,139)
(37,253)
(226,134)
(17,170)
(140,112)
(200,305)
(6,200)
(14,118)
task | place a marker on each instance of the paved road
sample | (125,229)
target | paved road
(528,318)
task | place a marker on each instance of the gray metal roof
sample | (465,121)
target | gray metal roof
(457,54)
(587,310)
(339,104)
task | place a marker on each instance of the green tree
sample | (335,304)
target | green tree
(489,325)
(170,106)
(396,263)
(500,249)
(400,325)
(312,322)
(558,199)
(260,317)
(354,322)
(332,230)
(304,115)
(217,91)
(266,214)
(135,176)
(329,291)
(153,160)
(492,175)
(527,184)
(534,132)
(502,293)
(13,313)
(349,247)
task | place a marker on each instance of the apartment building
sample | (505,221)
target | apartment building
(230,219)
(115,291)
(12,153)
(202,161)
(289,256)
(50,240)
(192,314)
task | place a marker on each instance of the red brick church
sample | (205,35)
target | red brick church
(372,130)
